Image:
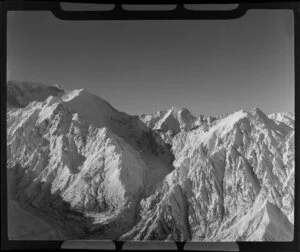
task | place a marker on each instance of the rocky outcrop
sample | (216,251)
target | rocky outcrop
(221,174)
(80,169)
(98,162)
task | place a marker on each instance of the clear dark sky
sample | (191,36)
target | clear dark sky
(209,67)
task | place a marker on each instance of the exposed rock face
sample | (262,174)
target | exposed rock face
(219,177)
(170,122)
(285,118)
(85,170)
(96,160)
(20,94)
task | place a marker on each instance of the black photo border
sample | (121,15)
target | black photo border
(180,13)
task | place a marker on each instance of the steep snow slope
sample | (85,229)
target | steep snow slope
(218,175)
(93,159)
(20,94)
(286,118)
(78,168)
(264,222)
(170,122)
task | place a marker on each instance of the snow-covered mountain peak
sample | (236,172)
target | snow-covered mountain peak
(94,172)
(91,107)
(170,121)
(73,93)
(259,114)
(229,121)
(173,109)
(98,160)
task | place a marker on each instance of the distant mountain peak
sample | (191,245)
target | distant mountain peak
(94,172)
(20,94)
(259,113)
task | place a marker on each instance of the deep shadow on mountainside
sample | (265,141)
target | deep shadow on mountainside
(80,169)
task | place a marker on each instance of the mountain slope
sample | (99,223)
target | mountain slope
(96,159)
(218,175)
(20,94)
(81,169)
(170,122)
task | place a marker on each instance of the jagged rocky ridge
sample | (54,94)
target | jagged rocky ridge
(20,94)
(80,169)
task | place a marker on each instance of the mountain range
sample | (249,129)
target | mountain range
(80,169)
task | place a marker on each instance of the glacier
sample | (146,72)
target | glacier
(80,169)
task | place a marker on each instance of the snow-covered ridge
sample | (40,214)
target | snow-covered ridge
(173,120)
(220,174)
(81,169)
(287,118)
(20,94)
(98,160)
